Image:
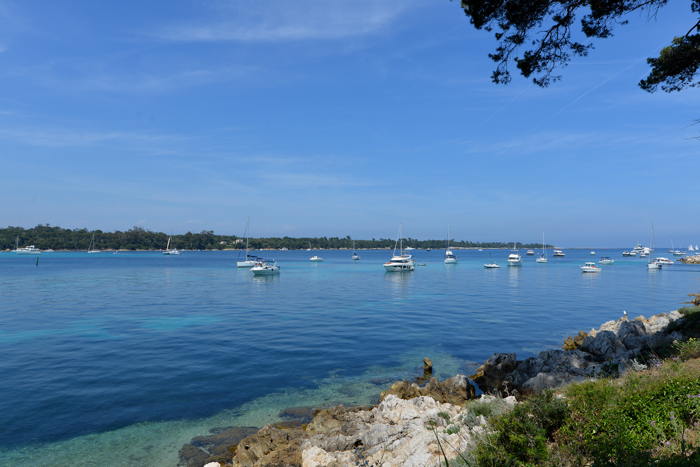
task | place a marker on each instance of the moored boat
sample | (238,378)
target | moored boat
(590,267)
(265,268)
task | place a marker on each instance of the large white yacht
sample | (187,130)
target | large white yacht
(558,252)
(400,262)
(28,250)
(514,258)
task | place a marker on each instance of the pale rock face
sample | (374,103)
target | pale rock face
(397,432)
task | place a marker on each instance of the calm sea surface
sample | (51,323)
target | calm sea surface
(120,359)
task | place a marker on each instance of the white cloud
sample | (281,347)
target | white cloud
(270,21)
(54,137)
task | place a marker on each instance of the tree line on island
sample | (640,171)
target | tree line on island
(137,238)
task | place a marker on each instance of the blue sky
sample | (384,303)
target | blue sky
(334,118)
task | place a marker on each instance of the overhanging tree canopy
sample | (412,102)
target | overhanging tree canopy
(539,37)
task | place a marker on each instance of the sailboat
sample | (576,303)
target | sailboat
(450,257)
(355,256)
(543,257)
(91,248)
(514,258)
(400,262)
(170,251)
(653,264)
(249,260)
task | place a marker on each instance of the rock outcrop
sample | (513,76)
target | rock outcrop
(456,390)
(215,447)
(606,351)
(397,432)
(695,259)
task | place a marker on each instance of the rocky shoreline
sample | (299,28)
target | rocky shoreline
(422,422)
(695,259)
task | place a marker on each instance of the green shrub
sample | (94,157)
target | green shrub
(689,325)
(623,422)
(687,349)
(521,436)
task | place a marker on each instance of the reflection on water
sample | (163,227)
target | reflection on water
(398,282)
(514,276)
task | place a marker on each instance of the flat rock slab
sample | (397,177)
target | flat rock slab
(213,447)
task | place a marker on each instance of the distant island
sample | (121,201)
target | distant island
(137,238)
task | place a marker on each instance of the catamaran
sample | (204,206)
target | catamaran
(400,262)
(249,260)
(170,251)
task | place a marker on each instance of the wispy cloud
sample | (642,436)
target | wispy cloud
(277,20)
(57,137)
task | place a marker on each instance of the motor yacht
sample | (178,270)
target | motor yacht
(590,267)
(558,252)
(530,252)
(400,262)
(606,260)
(265,268)
(514,258)
(491,266)
(315,259)
(28,250)
(662,260)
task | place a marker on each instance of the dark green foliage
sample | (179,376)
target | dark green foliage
(644,418)
(690,324)
(676,65)
(521,435)
(624,422)
(540,36)
(57,238)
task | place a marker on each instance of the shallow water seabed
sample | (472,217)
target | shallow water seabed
(158,443)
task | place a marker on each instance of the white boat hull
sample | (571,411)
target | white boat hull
(399,267)
(589,269)
(265,270)
(450,260)
(245,264)
(542,260)
(491,266)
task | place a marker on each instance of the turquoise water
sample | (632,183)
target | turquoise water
(120,359)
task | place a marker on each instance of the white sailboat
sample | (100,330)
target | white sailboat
(170,251)
(400,262)
(653,264)
(355,256)
(248,261)
(543,257)
(91,248)
(450,257)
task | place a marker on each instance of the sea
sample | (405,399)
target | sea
(120,359)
